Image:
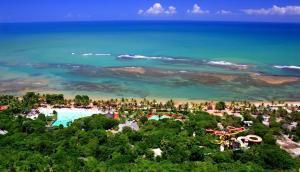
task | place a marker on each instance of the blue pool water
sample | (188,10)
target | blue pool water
(156,117)
(66,115)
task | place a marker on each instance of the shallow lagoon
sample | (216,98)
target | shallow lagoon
(61,57)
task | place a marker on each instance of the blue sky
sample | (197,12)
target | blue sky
(97,10)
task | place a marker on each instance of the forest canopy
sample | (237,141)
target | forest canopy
(89,144)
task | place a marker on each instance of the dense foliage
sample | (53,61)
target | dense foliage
(83,100)
(86,145)
(55,99)
(89,145)
(5,99)
(220,106)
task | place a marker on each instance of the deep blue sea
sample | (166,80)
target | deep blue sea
(153,59)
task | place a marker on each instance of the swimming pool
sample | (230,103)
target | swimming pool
(65,115)
(156,117)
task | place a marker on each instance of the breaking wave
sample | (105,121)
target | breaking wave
(87,54)
(93,54)
(287,67)
(127,56)
(225,63)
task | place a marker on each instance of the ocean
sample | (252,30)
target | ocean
(189,60)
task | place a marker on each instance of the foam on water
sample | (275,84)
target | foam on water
(127,56)
(287,67)
(156,46)
(225,63)
(93,54)
(87,54)
(184,60)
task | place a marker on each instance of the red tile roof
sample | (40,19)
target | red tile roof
(3,108)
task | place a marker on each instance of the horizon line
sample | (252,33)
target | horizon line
(151,20)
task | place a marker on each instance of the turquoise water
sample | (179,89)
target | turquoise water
(73,58)
(65,115)
(155,117)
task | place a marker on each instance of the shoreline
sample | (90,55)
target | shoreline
(177,101)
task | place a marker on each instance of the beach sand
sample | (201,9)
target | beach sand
(179,101)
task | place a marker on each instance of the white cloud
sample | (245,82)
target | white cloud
(197,10)
(140,12)
(155,9)
(275,10)
(171,10)
(158,9)
(224,12)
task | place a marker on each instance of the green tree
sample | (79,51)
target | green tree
(220,106)
(196,154)
(83,100)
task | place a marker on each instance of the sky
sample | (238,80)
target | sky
(102,10)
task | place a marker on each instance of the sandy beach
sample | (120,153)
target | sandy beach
(179,101)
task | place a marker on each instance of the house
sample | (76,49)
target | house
(132,124)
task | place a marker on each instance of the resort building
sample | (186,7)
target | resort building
(293,148)
(266,120)
(290,126)
(131,124)
(33,114)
